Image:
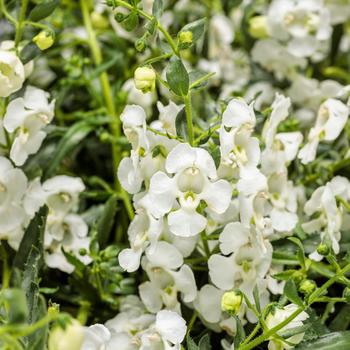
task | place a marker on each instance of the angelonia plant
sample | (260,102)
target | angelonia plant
(174,174)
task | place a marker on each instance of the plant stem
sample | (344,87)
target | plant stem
(5,268)
(151,18)
(115,125)
(188,109)
(6,13)
(313,297)
(20,24)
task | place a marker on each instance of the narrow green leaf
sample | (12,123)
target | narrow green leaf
(43,10)
(29,52)
(204,343)
(290,291)
(191,345)
(240,333)
(131,21)
(284,275)
(331,341)
(73,137)
(16,300)
(157,8)
(300,252)
(257,298)
(33,236)
(181,124)
(106,220)
(177,77)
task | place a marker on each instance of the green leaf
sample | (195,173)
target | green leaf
(16,301)
(177,77)
(73,260)
(290,291)
(284,275)
(342,319)
(256,298)
(38,339)
(33,236)
(72,138)
(43,10)
(29,52)
(106,220)
(131,21)
(191,345)
(157,8)
(204,343)
(300,252)
(331,341)
(197,28)
(181,124)
(240,333)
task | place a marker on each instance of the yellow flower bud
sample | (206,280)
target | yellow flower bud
(186,37)
(258,27)
(70,338)
(44,40)
(232,301)
(145,79)
(99,21)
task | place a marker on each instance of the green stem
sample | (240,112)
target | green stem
(115,125)
(188,109)
(313,297)
(201,80)
(5,268)
(21,18)
(3,9)
(83,312)
(151,18)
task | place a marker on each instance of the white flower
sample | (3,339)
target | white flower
(248,261)
(171,327)
(330,217)
(239,115)
(13,185)
(144,230)
(331,119)
(261,93)
(303,24)
(71,337)
(194,180)
(168,276)
(136,96)
(275,58)
(26,117)
(283,198)
(339,10)
(167,117)
(96,337)
(12,73)
(277,317)
(279,113)
(283,150)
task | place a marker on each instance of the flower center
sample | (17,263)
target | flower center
(191,180)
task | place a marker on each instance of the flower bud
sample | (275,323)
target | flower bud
(99,21)
(307,287)
(323,249)
(186,38)
(140,45)
(297,276)
(258,27)
(232,301)
(44,40)
(70,338)
(145,79)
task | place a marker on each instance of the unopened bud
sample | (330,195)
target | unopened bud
(185,38)
(323,249)
(44,40)
(307,287)
(231,302)
(140,45)
(99,21)
(145,79)
(297,276)
(258,27)
(71,337)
